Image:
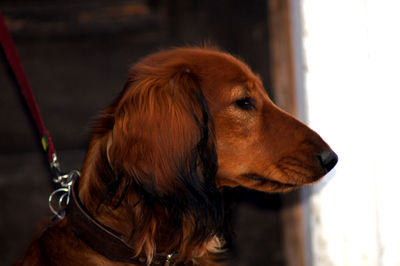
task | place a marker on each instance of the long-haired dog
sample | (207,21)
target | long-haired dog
(189,122)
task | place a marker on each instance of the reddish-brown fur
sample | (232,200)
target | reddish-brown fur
(150,130)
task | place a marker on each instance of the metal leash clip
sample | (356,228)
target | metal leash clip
(59,198)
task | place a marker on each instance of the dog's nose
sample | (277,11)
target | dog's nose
(328,159)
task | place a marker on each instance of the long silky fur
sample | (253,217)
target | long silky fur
(191,213)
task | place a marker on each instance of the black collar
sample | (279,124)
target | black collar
(103,239)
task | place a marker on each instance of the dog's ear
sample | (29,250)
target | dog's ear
(163,142)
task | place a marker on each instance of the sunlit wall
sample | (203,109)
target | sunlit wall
(352,84)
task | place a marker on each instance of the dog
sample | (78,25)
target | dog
(188,123)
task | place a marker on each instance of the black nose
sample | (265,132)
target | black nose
(328,159)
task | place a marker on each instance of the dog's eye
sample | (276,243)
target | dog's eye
(245,103)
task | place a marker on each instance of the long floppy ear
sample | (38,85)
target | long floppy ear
(163,143)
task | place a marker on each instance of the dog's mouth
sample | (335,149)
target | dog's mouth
(265,184)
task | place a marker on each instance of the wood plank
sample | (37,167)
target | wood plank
(284,88)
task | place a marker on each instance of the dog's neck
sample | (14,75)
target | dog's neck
(149,231)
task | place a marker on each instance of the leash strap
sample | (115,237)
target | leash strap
(26,90)
(65,180)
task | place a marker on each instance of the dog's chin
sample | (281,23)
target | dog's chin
(284,187)
(265,184)
(261,183)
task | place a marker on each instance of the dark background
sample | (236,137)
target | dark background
(77,55)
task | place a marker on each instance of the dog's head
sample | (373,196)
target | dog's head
(204,112)
(180,104)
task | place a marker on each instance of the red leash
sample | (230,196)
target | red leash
(59,198)
(26,90)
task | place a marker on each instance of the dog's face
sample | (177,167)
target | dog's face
(261,147)
(257,145)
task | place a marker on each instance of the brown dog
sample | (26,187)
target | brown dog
(188,122)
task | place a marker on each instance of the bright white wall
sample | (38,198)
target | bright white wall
(352,84)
